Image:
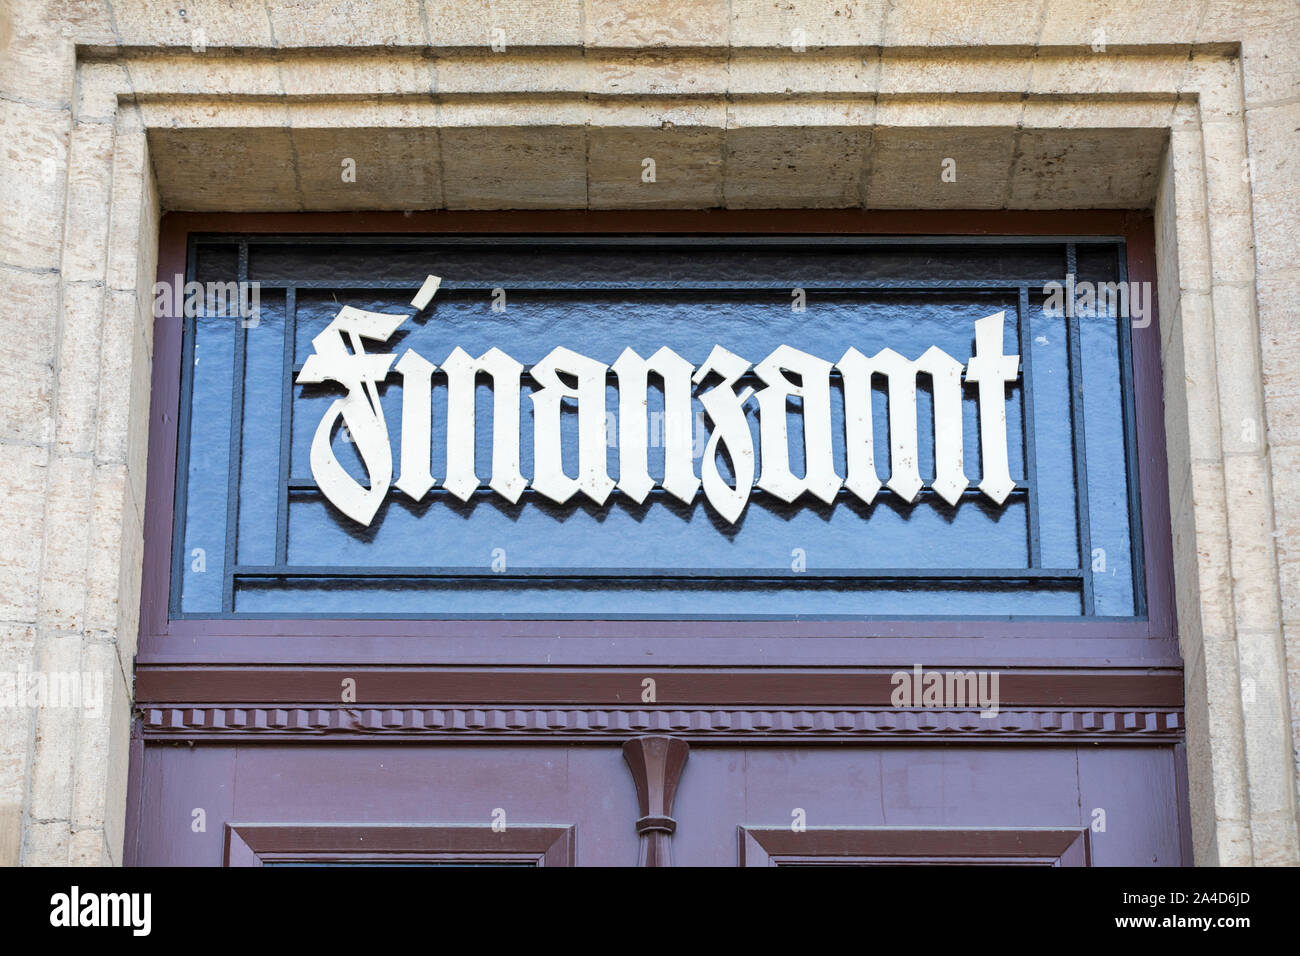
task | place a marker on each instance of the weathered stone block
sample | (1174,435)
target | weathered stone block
(1108,23)
(1200,379)
(23,474)
(90,167)
(345,23)
(532,168)
(27,361)
(1214,577)
(952,23)
(36,56)
(368,169)
(655,168)
(1065,168)
(814,168)
(505,23)
(1269,34)
(1274,216)
(32,189)
(78,367)
(1236,344)
(87,848)
(196,166)
(1250,524)
(1226,731)
(631,23)
(109,521)
(1185,148)
(908,167)
(201,25)
(58,658)
(46,843)
(807,23)
(67,528)
(1279,317)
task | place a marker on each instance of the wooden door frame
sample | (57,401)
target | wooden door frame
(1144,647)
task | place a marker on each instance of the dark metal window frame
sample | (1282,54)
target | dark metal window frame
(1138,641)
(1027,489)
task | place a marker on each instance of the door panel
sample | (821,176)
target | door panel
(928,794)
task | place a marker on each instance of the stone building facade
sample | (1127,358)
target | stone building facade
(117,112)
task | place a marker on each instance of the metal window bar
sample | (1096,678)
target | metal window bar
(497,241)
(728,575)
(1027,428)
(236,442)
(734,287)
(1124,329)
(611,377)
(1078,441)
(286,425)
(183,426)
(304,484)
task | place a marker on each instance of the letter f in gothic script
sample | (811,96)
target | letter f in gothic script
(359,409)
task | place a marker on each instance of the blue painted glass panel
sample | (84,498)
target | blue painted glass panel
(259,464)
(587,263)
(1053,446)
(202,564)
(661,558)
(1111,552)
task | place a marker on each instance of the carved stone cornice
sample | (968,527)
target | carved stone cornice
(1019,725)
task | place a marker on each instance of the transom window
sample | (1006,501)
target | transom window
(257,535)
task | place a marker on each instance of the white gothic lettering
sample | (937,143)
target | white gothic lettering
(340,357)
